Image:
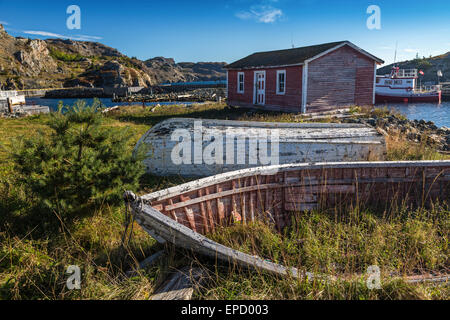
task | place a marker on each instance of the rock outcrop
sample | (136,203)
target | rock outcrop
(113,74)
(204,71)
(56,63)
(165,70)
(35,58)
(85,48)
(169,71)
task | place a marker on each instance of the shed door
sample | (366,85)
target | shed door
(260,88)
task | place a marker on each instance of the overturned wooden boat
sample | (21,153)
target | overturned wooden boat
(184,214)
(200,147)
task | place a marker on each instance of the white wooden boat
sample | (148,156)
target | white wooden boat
(245,144)
(184,214)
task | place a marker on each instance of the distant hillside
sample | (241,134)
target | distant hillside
(429,66)
(169,71)
(204,71)
(54,63)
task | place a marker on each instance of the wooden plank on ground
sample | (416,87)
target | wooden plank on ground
(146,263)
(181,285)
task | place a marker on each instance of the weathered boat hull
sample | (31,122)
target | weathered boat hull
(277,191)
(164,229)
(247,144)
(183,214)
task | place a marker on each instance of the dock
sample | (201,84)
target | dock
(14,103)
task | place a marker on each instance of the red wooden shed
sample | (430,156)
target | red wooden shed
(307,79)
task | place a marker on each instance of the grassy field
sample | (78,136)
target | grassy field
(35,249)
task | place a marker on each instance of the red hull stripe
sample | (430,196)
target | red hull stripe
(431,98)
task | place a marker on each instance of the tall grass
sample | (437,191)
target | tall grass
(35,253)
(399,149)
(403,245)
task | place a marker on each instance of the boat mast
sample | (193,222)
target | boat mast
(394,67)
(395,55)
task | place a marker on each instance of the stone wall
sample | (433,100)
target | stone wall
(107,92)
(76,93)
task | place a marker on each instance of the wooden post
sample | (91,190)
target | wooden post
(10,108)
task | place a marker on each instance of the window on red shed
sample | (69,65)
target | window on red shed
(240,87)
(281,81)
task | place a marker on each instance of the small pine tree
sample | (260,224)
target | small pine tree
(81,163)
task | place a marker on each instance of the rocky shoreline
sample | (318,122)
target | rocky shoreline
(417,131)
(197,95)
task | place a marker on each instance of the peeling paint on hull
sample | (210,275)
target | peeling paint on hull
(297,143)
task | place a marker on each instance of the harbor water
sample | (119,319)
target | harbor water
(106,102)
(437,113)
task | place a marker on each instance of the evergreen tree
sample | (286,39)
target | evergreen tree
(81,163)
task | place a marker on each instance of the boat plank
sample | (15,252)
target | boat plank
(203,211)
(181,285)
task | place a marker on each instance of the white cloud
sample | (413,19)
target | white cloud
(56,35)
(261,13)
(88,38)
(44,34)
(411,50)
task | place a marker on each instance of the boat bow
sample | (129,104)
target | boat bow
(157,224)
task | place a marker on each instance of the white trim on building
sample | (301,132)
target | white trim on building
(374,81)
(304,87)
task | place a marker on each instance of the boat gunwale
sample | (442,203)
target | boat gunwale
(264,124)
(271,170)
(327,141)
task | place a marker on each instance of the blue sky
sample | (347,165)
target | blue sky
(216,30)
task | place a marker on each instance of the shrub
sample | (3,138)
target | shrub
(424,64)
(66,57)
(81,163)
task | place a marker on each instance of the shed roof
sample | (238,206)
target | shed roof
(292,56)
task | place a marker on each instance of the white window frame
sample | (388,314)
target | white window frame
(278,82)
(239,83)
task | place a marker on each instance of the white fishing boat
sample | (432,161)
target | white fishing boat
(401,86)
